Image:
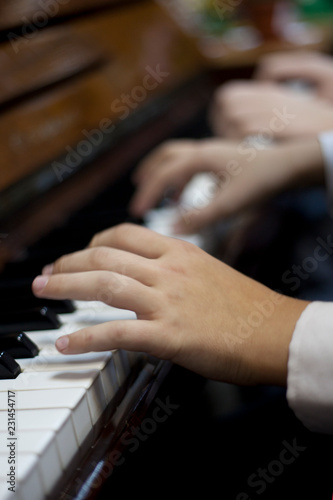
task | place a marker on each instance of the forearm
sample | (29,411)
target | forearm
(306,161)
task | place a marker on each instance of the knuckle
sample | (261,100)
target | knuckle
(119,233)
(246,129)
(94,241)
(99,256)
(85,339)
(178,258)
(184,246)
(103,282)
(173,147)
(117,335)
(231,90)
(168,145)
(59,265)
(122,229)
(188,248)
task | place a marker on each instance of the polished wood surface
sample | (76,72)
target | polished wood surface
(32,15)
(52,57)
(53,208)
(122,60)
(128,73)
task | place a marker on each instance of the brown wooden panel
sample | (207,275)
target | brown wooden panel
(145,57)
(52,209)
(140,36)
(52,57)
(39,13)
(39,130)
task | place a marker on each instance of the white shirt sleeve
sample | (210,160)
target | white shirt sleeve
(326,142)
(310,365)
(310,368)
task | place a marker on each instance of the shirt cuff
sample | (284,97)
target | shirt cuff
(326,143)
(310,368)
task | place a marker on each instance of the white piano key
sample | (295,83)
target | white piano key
(57,420)
(43,444)
(121,366)
(50,359)
(133,358)
(197,194)
(114,374)
(44,338)
(74,399)
(63,396)
(99,313)
(109,377)
(27,478)
(162,221)
(89,307)
(5,494)
(48,337)
(76,321)
(87,379)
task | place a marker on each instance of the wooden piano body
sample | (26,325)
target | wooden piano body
(87,88)
(74,89)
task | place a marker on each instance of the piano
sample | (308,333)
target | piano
(87,89)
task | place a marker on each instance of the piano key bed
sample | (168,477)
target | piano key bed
(54,410)
(58,412)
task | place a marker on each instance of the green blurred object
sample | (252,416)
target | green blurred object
(217,16)
(312,8)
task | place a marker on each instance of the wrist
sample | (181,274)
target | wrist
(271,345)
(306,163)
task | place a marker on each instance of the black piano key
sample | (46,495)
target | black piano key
(36,319)
(18,345)
(61,241)
(30,303)
(57,306)
(74,236)
(9,368)
(29,267)
(17,294)
(15,286)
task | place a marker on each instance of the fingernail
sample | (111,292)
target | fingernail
(48,270)
(40,283)
(62,343)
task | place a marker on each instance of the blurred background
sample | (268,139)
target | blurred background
(237,32)
(87,89)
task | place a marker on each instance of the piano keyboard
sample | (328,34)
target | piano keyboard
(58,403)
